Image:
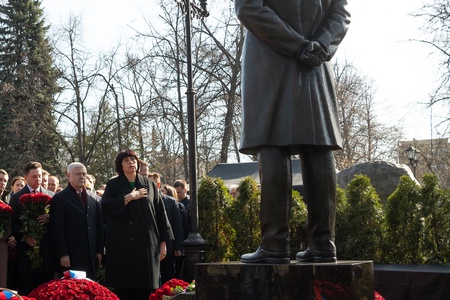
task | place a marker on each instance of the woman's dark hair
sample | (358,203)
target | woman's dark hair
(17,178)
(121,156)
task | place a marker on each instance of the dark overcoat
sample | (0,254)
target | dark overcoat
(174,217)
(286,103)
(76,231)
(134,234)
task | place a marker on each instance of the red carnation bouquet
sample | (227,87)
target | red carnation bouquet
(34,205)
(72,289)
(5,219)
(171,288)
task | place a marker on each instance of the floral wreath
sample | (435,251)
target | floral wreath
(171,288)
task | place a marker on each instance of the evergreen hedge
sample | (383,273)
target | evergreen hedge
(412,228)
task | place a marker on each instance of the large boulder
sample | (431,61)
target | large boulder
(384,176)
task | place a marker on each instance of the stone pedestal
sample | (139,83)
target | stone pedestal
(352,280)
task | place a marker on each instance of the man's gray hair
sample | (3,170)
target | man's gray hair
(233,187)
(74,165)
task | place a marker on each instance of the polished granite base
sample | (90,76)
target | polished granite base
(352,280)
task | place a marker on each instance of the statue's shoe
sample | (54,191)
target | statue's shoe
(265,256)
(317,256)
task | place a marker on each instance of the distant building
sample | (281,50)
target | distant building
(233,173)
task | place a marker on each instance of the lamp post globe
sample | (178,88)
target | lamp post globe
(413,156)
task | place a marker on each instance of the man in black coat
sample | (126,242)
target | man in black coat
(174,247)
(30,278)
(76,224)
(181,186)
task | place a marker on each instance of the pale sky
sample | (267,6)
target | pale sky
(402,72)
(378,43)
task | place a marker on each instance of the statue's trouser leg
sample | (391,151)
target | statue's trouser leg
(319,181)
(276,192)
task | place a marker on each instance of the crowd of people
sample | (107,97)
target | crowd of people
(133,226)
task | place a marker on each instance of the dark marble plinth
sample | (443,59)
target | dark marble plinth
(352,280)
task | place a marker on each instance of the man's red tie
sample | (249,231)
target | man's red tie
(83,201)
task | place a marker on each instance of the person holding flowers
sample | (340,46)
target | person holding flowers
(32,201)
(137,232)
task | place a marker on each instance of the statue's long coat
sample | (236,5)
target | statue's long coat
(286,103)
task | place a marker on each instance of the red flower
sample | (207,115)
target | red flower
(5,217)
(68,289)
(34,200)
(171,288)
(5,208)
(34,205)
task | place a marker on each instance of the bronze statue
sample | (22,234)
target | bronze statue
(289,107)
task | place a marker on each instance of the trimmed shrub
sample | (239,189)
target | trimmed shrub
(362,221)
(435,212)
(297,224)
(341,223)
(215,229)
(243,216)
(404,227)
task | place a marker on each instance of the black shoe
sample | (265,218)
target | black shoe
(316,256)
(305,256)
(266,256)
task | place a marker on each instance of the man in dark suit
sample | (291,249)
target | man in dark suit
(174,247)
(76,224)
(30,278)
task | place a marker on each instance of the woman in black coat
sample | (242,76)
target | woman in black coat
(137,232)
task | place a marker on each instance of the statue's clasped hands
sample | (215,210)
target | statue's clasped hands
(313,54)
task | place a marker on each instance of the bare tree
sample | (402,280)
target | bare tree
(436,17)
(161,65)
(364,137)
(166,66)
(135,96)
(227,72)
(86,105)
